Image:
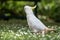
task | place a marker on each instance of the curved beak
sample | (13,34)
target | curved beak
(33,7)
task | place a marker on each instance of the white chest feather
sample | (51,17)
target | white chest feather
(35,23)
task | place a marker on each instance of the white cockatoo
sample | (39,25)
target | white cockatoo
(34,23)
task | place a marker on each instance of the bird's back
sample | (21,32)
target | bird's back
(35,23)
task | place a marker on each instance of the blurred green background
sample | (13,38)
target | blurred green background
(50,9)
(13,23)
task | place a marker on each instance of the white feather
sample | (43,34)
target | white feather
(33,22)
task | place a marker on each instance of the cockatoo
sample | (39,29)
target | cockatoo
(34,23)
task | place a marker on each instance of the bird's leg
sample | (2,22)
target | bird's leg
(35,31)
(43,33)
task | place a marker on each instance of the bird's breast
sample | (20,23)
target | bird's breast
(33,22)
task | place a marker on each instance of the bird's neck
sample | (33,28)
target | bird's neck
(30,13)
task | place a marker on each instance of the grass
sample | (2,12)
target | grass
(18,30)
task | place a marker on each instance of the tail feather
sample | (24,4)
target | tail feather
(50,29)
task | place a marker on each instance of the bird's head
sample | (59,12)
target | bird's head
(28,9)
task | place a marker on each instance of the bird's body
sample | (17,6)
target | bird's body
(34,23)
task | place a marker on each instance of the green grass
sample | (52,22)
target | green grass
(18,30)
